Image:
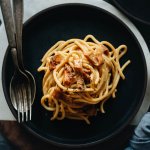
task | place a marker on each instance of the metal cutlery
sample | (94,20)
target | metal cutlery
(22,85)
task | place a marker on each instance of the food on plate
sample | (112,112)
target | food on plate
(80,76)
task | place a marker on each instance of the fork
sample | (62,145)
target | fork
(22,85)
(20,91)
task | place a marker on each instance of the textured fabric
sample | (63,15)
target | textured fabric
(4,145)
(141,137)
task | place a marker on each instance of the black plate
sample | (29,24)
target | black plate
(137,9)
(63,22)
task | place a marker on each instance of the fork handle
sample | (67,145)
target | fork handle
(8,21)
(15,59)
(18,20)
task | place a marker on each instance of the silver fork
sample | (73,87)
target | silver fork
(18,20)
(22,85)
(20,91)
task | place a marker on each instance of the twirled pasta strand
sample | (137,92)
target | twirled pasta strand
(79,76)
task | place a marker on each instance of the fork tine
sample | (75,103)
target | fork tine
(30,101)
(22,101)
(18,104)
(30,111)
(19,117)
(27,113)
(26,108)
(22,110)
(21,105)
(19,120)
(25,102)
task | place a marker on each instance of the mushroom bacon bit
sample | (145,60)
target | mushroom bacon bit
(95,57)
(78,65)
(83,73)
(69,76)
(54,61)
(79,76)
(80,82)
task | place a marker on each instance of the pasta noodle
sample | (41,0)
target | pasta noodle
(80,76)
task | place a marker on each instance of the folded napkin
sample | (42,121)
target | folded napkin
(34,6)
(141,137)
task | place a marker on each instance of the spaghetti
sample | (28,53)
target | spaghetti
(80,76)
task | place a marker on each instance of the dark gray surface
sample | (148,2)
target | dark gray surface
(136,9)
(143,28)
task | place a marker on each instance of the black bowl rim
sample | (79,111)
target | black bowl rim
(60,144)
(129,14)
